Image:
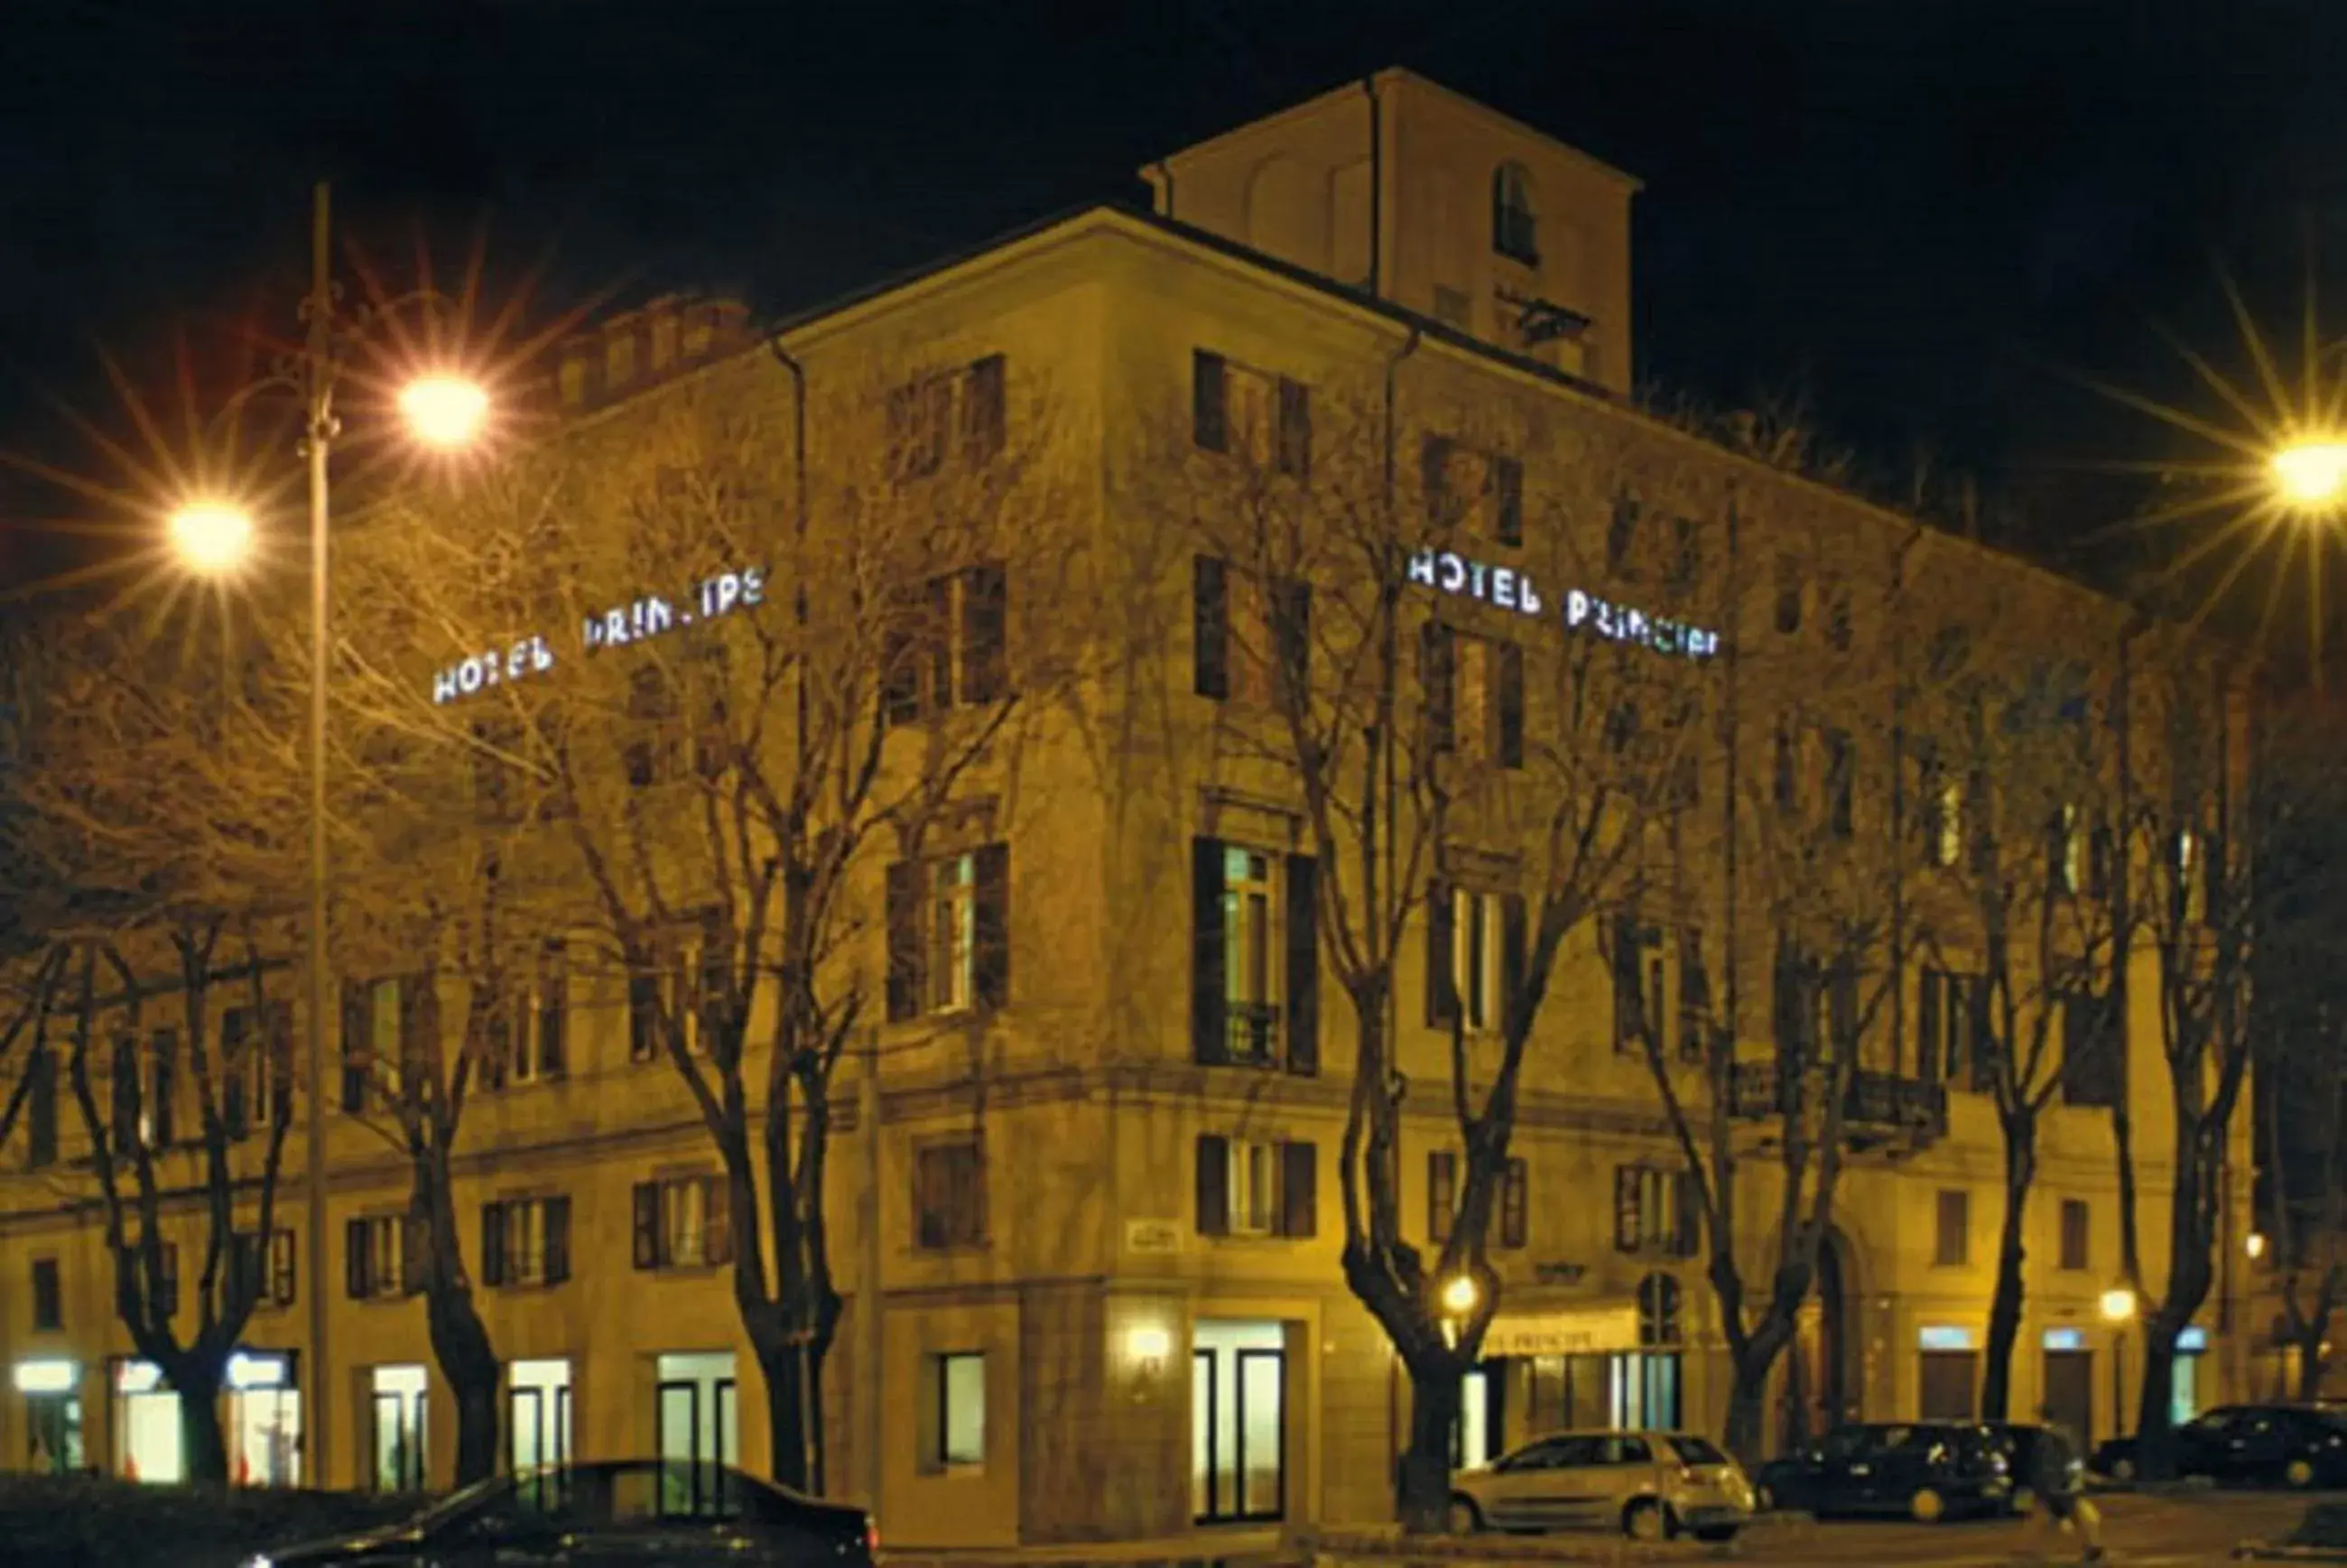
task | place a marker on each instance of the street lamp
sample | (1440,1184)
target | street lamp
(2118,1310)
(215,537)
(1460,1294)
(2311,474)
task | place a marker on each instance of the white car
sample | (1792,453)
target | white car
(1651,1486)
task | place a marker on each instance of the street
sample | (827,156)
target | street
(2147,1530)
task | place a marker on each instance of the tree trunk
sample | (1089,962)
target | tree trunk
(460,1343)
(2154,1447)
(1423,1501)
(1747,1393)
(2311,1363)
(2012,1253)
(203,1443)
(781,1365)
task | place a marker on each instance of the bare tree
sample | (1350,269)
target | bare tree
(732,689)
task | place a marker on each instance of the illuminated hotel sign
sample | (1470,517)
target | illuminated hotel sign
(1446,571)
(637,620)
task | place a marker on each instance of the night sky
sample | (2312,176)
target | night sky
(1917,214)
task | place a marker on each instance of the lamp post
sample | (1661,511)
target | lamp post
(214,536)
(2118,1309)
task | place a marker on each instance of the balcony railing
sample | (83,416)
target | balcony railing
(1873,1103)
(1251,1033)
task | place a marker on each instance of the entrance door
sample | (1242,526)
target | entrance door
(2070,1394)
(697,1435)
(56,1428)
(1239,1422)
(1949,1377)
(539,1418)
(399,1429)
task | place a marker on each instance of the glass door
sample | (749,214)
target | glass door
(1261,1433)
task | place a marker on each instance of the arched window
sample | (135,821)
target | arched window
(1514,230)
(1658,1311)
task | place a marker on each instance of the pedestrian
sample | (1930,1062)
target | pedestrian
(2057,1488)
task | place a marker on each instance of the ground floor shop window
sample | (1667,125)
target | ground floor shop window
(1947,1374)
(699,1427)
(51,1389)
(538,1418)
(399,1430)
(146,1425)
(264,1418)
(1475,1437)
(1238,1420)
(2184,1399)
(1643,1391)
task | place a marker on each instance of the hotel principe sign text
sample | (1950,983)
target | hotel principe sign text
(1507,588)
(637,620)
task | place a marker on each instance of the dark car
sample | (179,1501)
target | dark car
(2019,1441)
(2249,1445)
(1925,1469)
(591,1515)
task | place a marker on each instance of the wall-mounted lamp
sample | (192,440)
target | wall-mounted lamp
(1148,1345)
(2255,1245)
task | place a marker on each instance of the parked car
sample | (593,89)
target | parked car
(590,1515)
(1650,1486)
(2019,1440)
(2249,1445)
(1925,1469)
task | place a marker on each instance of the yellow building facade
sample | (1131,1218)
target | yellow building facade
(1101,1219)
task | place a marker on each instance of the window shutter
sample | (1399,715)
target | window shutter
(1688,1210)
(990,921)
(1625,1208)
(1303,930)
(1292,635)
(357,1045)
(1208,409)
(985,631)
(1985,1052)
(1437,658)
(1210,620)
(1213,1185)
(717,1202)
(553,1008)
(555,1222)
(984,426)
(1508,700)
(643,1008)
(493,1243)
(1434,480)
(904,916)
(1442,1194)
(1441,986)
(1930,1042)
(125,1093)
(1514,957)
(900,671)
(282,1273)
(165,1043)
(412,1237)
(1210,1040)
(1294,428)
(1299,1189)
(646,1205)
(1514,1204)
(1508,498)
(937,635)
(355,1259)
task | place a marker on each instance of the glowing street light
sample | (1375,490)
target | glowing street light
(212,537)
(1460,1294)
(2255,1245)
(2118,1306)
(2311,474)
(446,412)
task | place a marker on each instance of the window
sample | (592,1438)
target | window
(2065,853)
(680,983)
(526,1241)
(1515,1204)
(1255,961)
(1655,1210)
(1686,554)
(1639,997)
(619,359)
(527,1027)
(1838,617)
(2094,1067)
(1474,693)
(1249,635)
(1953,1040)
(1940,819)
(376,1264)
(1789,594)
(1694,997)
(1478,493)
(41,1109)
(949,1194)
(49,1295)
(235,1069)
(1515,232)
(654,756)
(2075,1232)
(1475,956)
(1787,778)
(949,933)
(375,1024)
(155,1127)
(1841,782)
(927,416)
(683,1222)
(1251,414)
(1951,1242)
(267,1271)
(2187,876)
(1250,1188)
(1442,1194)
(961,1410)
(946,644)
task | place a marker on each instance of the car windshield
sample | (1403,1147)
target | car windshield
(1697,1450)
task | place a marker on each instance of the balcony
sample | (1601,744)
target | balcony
(1251,1034)
(1877,1108)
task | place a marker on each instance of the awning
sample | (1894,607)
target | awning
(1586,1331)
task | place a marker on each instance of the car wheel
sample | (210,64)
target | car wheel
(1927,1506)
(2298,1474)
(2123,1470)
(1764,1500)
(1718,1535)
(1464,1518)
(1646,1519)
